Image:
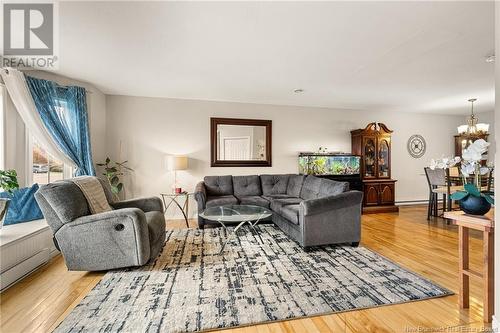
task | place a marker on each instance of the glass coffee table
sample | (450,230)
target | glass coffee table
(240,214)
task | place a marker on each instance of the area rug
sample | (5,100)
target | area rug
(190,287)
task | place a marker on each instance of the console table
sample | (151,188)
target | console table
(485,224)
(172,198)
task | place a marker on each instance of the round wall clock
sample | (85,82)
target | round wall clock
(416,146)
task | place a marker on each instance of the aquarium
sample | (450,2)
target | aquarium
(328,164)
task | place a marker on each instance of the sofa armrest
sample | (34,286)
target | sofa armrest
(200,194)
(132,214)
(150,204)
(103,241)
(329,203)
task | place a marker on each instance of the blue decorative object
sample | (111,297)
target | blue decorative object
(23,206)
(69,129)
(475,205)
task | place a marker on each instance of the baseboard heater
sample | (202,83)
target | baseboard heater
(413,202)
(23,248)
(24,268)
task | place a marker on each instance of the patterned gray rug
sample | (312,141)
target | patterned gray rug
(191,288)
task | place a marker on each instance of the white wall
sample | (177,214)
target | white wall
(15,136)
(150,128)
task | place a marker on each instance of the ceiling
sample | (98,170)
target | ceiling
(404,56)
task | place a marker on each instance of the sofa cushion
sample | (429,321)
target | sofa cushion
(222,200)
(254,200)
(218,185)
(331,187)
(246,186)
(66,199)
(272,197)
(290,212)
(278,203)
(274,184)
(310,188)
(295,185)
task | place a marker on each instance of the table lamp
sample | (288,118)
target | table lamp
(175,163)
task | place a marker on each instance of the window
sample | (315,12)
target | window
(44,167)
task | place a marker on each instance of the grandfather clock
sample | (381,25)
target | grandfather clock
(373,144)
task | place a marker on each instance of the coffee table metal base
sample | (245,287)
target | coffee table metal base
(236,214)
(241,224)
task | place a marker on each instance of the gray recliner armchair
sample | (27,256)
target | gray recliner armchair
(130,235)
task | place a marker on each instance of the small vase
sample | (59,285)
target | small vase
(474,205)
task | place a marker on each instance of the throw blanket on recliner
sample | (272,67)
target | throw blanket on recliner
(94,193)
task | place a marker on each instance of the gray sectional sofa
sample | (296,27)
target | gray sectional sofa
(313,211)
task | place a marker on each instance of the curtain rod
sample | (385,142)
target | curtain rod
(67,86)
(59,85)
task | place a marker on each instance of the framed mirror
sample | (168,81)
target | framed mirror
(240,142)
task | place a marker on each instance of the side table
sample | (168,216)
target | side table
(172,198)
(485,224)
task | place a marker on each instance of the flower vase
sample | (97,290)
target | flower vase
(475,205)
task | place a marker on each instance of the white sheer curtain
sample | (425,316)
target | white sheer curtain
(18,90)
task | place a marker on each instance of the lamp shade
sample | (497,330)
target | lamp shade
(177,163)
(462,129)
(483,127)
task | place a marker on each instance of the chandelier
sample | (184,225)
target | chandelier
(473,128)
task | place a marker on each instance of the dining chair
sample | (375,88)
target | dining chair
(487,181)
(454,173)
(490,183)
(442,182)
(454,183)
(435,178)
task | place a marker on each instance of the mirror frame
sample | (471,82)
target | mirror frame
(214,162)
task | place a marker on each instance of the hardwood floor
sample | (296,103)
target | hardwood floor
(42,300)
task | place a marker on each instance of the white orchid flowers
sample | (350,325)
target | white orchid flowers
(472,157)
(471,165)
(475,151)
(471,161)
(444,163)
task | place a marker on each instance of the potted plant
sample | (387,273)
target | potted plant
(471,199)
(113,171)
(8,183)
